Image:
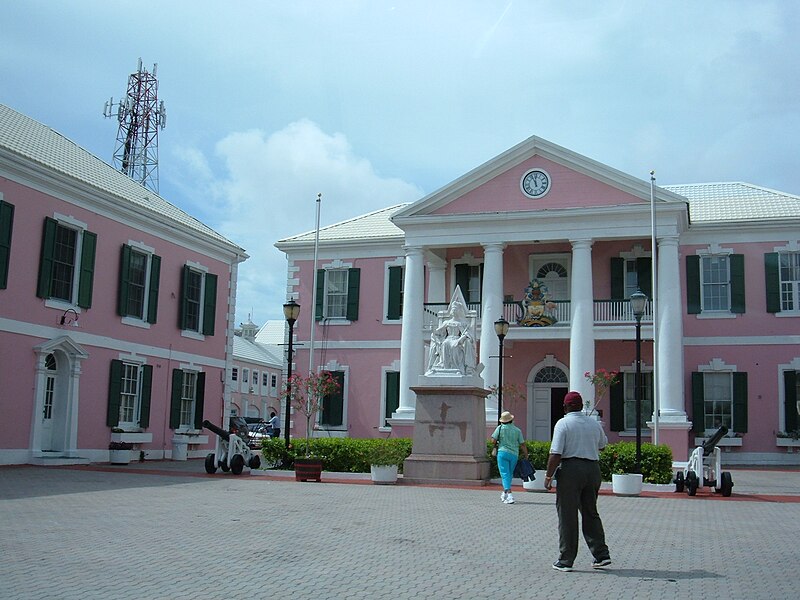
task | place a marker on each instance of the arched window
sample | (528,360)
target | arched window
(50,362)
(550,375)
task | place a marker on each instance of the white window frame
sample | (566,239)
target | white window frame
(793,251)
(718,367)
(79,227)
(148,251)
(628,372)
(183,426)
(537,261)
(393,368)
(341,430)
(711,252)
(196,334)
(335,265)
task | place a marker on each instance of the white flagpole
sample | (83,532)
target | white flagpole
(314,291)
(654,276)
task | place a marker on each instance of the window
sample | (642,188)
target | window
(391,396)
(129,393)
(333,404)
(255,380)
(791,383)
(470,279)
(630,400)
(245,375)
(139,277)
(338,294)
(6,224)
(198,301)
(188,393)
(790,280)
(394,301)
(273,384)
(50,386)
(66,266)
(629,275)
(715,283)
(234,374)
(719,397)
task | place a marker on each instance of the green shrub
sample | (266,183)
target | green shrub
(621,458)
(340,455)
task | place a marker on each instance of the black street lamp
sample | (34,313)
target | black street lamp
(638,302)
(501,329)
(291,310)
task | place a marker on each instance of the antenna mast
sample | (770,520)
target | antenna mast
(140,116)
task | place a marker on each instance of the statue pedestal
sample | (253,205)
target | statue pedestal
(449,441)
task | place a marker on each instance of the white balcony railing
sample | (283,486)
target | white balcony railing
(606,312)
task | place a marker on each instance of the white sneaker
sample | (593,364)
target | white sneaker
(503,497)
(509,499)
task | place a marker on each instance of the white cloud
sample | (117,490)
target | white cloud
(269,192)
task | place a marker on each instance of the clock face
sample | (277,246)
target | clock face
(535,183)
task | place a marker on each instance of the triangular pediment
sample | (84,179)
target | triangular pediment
(64,343)
(575,182)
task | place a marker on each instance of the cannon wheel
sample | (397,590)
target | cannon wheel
(727,484)
(237,464)
(679,481)
(255,462)
(211,464)
(223,464)
(691,483)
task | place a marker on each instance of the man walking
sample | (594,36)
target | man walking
(575,452)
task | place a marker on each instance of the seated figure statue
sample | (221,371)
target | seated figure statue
(452,345)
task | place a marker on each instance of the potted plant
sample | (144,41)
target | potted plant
(306,394)
(384,457)
(119,453)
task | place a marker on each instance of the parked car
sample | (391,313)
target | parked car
(251,429)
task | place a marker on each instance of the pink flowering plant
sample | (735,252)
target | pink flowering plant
(601,380)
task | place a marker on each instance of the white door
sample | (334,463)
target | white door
(541,413)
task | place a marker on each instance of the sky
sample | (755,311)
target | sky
(374,103)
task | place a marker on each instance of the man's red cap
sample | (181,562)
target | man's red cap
(573,401)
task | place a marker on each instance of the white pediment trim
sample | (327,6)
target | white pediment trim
(63,343)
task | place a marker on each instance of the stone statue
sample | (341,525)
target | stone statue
(452,349)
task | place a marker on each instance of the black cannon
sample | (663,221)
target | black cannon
(231,453)
(704,468)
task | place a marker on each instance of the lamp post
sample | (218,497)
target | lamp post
(291,310)
(638,302)
(501,329)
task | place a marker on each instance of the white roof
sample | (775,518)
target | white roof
(253,352)
(708,203)
(39,143)
(272,333)
(736,201)
(371,226)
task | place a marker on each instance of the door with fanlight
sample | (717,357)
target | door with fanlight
(48,406)
(545,404)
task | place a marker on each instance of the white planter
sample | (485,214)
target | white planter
(383,474)
(628,484)
(537,485)
(119,457)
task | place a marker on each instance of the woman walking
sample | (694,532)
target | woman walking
(509,443)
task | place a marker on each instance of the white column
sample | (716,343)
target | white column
(412,349)
(491,310)
(437,287)
(670,333)
(581,339)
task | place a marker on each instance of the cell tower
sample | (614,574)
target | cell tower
(140,116)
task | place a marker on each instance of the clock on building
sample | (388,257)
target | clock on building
(535,183)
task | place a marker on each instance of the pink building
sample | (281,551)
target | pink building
(116,309)
(257,374)
(556,243)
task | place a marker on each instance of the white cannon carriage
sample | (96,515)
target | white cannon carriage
(704,468)
(232,453)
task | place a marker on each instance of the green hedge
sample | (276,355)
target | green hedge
(349,455)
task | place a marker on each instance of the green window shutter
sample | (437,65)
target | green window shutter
(182,305)
(114,393)
(395,286)
(353,289)
(462,280)
(210,304)
(790,400)
(736,262)
(644,275)
(152,298)
(693,285)
(392,393)
(199,400)
(124,281)
(147,387)
(86,278)
(320,303)
(773,281)
(698,404)
(617,278)
(46,258)
(333,404)
(175,403)
(6,225)
(480,283)
(740,402)
(616,396)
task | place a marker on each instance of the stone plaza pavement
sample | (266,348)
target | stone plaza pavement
(168,530)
